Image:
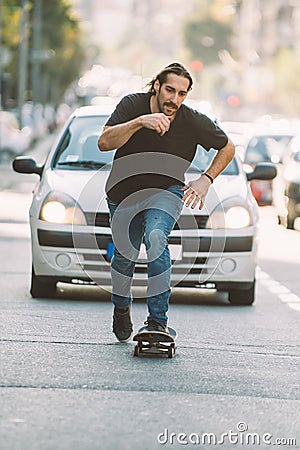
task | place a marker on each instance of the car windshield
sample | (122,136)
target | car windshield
(78,150)
(267,148)
(203,159)
(297,157)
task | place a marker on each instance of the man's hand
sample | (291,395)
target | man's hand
(158,122)
(195,192)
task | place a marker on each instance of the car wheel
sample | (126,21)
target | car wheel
(42,287)
(290,222)
(282,220)
(242,296)
(291,214)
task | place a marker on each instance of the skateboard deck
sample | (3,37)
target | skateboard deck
(155,343)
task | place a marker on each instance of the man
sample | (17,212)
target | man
(156,136)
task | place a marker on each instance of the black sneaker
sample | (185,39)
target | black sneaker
(152,325)
(122,325)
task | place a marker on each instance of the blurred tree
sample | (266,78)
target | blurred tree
(60,48)
(208,31)
(11,16)
(61,34)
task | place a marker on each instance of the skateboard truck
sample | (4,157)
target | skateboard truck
(155,343)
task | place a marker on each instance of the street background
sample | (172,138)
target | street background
(66,383)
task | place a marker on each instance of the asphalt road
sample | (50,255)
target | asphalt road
(65,384)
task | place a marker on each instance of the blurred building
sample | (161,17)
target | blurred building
(142,35)
(262,28)
(261,25)
(136,28)
(103,20)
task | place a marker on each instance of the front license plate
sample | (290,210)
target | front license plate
(110,250)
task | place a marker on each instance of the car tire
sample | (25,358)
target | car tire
(281,220)
(290,223)
(242,297)
(42,287)
(291,214)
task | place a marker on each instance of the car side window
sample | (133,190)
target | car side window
(203,158)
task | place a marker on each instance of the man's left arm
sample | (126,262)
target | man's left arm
(195,191)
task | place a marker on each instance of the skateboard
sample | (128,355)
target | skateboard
(155,343)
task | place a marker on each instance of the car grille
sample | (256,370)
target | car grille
(48,238)
(190,222)
(97,219)
(185,222)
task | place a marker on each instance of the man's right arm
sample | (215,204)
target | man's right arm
(115,136)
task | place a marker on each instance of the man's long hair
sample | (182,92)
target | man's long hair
(177,69)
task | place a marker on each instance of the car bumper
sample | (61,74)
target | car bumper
(206,256)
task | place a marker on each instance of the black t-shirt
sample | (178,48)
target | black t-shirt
(149,161)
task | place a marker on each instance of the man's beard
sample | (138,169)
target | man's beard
(167,104)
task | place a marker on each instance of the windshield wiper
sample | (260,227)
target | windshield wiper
(89,164)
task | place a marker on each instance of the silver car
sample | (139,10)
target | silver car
(215,247)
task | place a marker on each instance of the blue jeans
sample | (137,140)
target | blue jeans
(149,221)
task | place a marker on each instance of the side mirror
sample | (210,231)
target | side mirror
(262,171)
(22,164)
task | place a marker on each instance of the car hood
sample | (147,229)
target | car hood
(87,187)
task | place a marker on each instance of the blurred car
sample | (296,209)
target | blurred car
(71,238)
(265,147)
(13,141)
(239,133)
(287,198)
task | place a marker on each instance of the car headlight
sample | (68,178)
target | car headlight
(60,208)
(230,217)
(237,217)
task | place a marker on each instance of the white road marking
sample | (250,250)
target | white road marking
(283,293)
(289,298)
